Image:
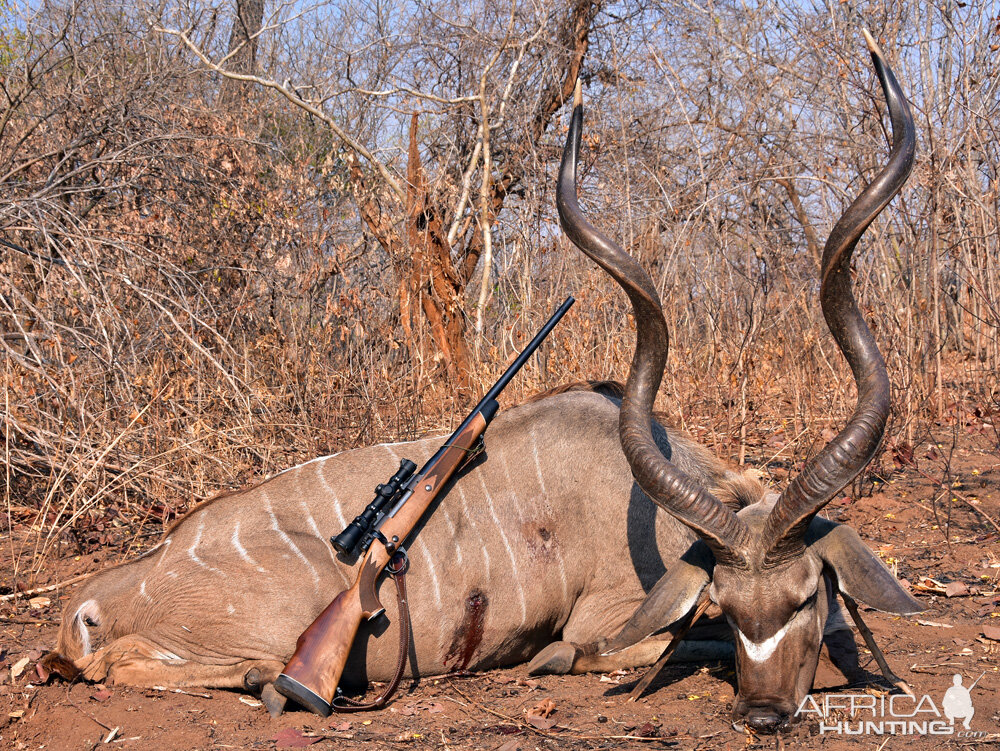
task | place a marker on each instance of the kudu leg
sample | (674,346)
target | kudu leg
(273,701)
(567,658)
(136,661)
(895,680)
(564,657)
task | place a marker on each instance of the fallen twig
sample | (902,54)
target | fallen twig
(49,588)
(869,637)
(574,733)
(960,497)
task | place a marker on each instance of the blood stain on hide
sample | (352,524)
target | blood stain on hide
(469,634)
(541,541)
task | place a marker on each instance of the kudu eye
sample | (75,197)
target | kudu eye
(88,621)
(810,600)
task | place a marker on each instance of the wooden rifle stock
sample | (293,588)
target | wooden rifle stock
(312,674)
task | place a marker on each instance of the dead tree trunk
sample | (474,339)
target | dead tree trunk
(241,56)
(433,283)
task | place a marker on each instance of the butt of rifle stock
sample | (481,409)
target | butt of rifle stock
(312,674)
(302,696)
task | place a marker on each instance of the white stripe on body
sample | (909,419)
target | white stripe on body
(451,531)
(166,545)
(288,540)
(541,484)
(197,539)
(430,567)
(506,542)
(472,520)
(312,525)
(333,496)
(242,551)
(299,466)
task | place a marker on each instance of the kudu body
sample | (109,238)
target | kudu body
(771,565)
(546,536)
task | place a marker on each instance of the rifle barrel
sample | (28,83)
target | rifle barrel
(487,405)
(525,353)
(511,371)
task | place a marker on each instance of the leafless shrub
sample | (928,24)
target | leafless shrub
(209,292)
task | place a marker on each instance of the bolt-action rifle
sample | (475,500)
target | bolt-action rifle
(312,674)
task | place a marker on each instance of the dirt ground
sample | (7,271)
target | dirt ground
(942,544)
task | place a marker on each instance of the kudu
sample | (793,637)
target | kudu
(545,537)
(771,565)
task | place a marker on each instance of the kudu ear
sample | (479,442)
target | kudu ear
(860,574)
(670,599)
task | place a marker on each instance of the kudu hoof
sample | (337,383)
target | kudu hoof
(274,701)
(555,659)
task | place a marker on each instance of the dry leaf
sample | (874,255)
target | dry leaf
(956,589)
(542,709)
(542,723)
(251,702)
(18,668)
(647,730)
(39,602)
(101,695)
(293,738)
(926,584)
(992,632)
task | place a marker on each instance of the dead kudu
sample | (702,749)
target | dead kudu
(547,536)
(772,565)
(544,537)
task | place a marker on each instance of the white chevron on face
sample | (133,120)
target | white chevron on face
(761,651)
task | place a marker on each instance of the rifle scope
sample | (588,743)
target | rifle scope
(348,540)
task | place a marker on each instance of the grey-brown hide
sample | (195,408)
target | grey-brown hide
(545,538)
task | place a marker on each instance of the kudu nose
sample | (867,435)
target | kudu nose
(766,720)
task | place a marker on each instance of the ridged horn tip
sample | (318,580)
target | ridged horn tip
(577,94)
(872,44)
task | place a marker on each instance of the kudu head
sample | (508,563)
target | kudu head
(767,565)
